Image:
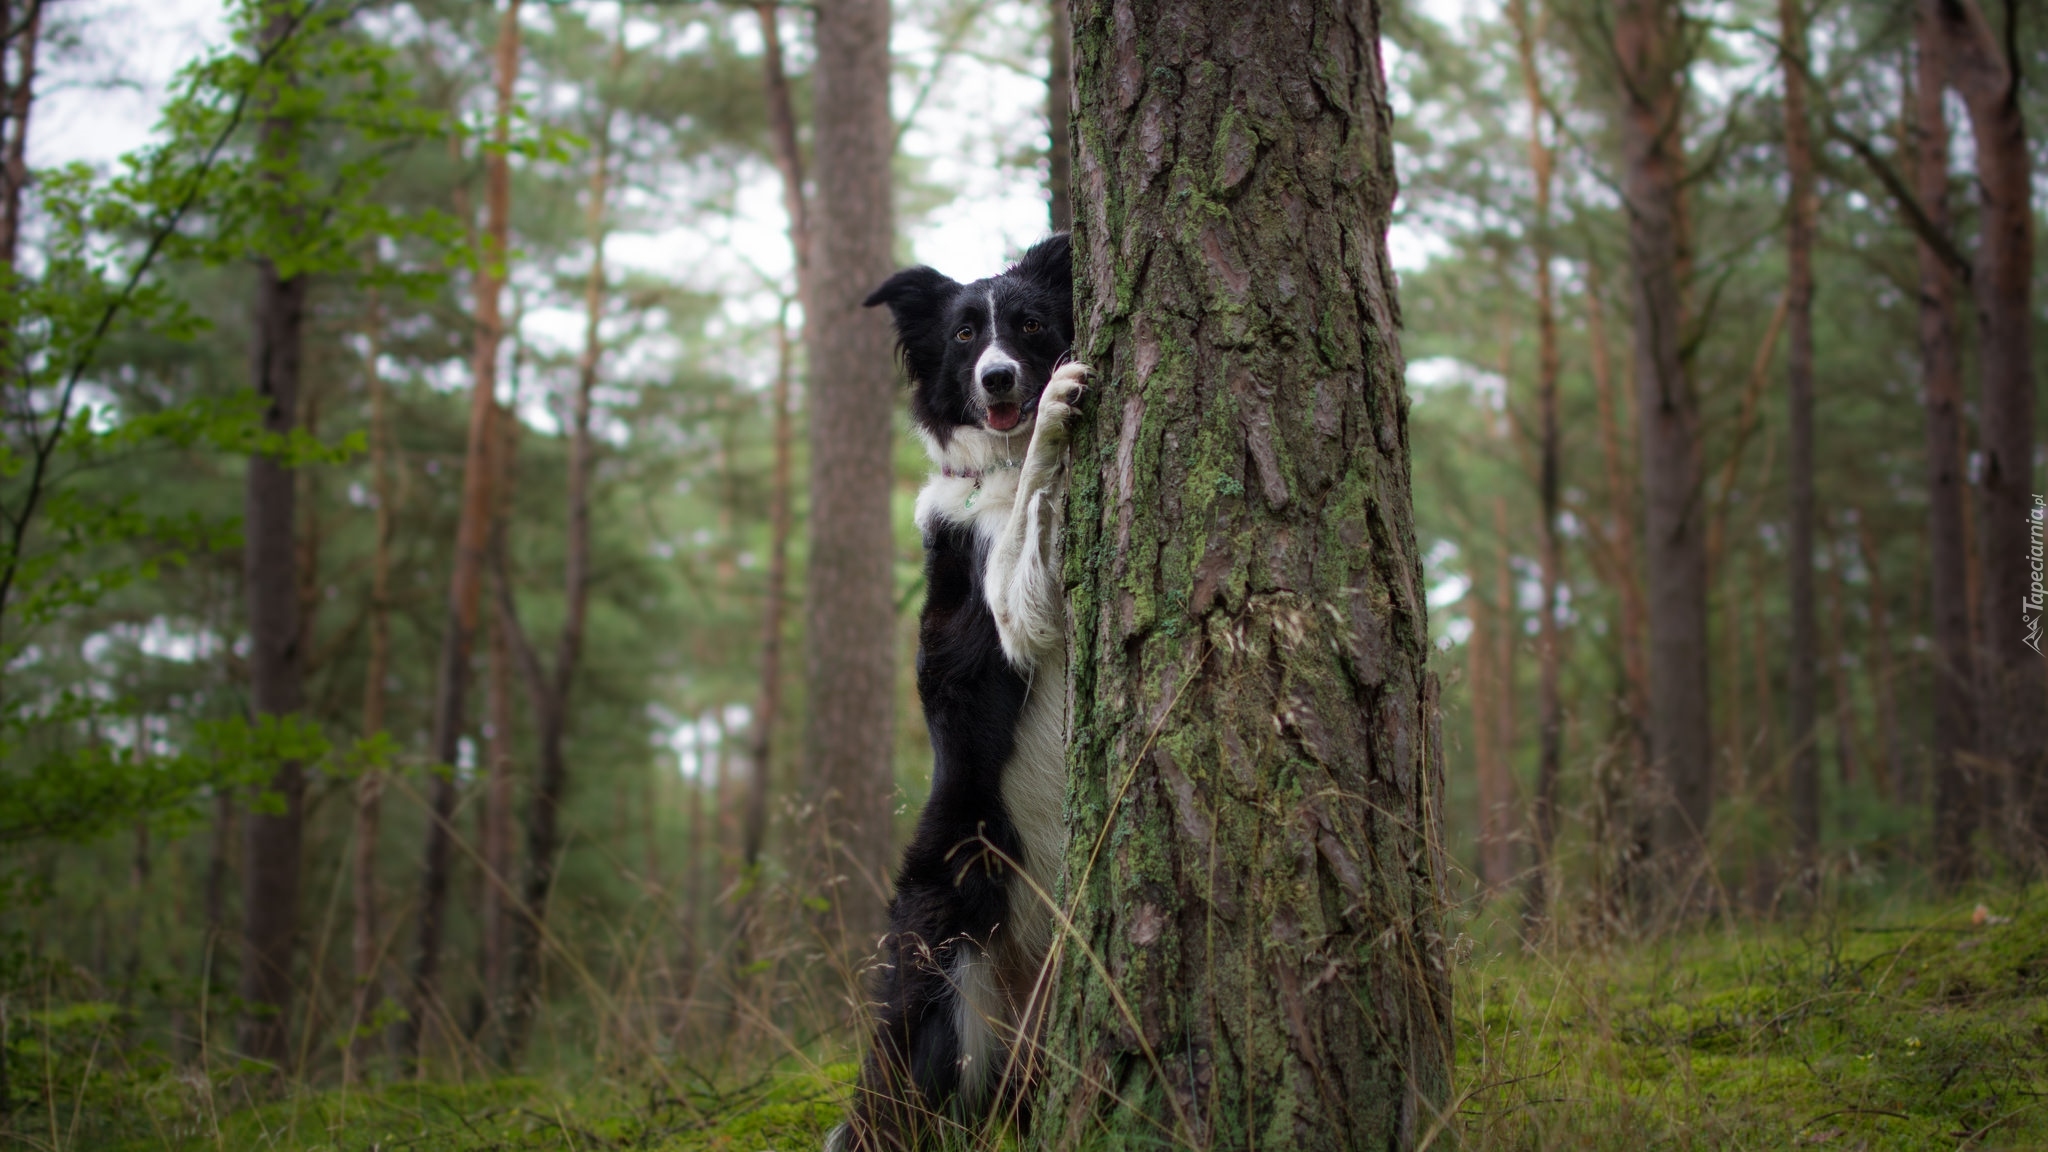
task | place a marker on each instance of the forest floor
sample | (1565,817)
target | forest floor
(1909,1027)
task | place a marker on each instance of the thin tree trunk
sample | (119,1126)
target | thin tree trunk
(1746,423)
(1633,624)
(768,702)
(1950,551)
(1550,723)
(471,539)
(17,98)
(1259,761)
(1496,862)
(1497,779)
(789,159)
(1059,95)
(270,876)
(551,694)
(1801,697)
(1760,648)
(850,637)
(2013,674)
(1882,684)
(754,821)
(1848,758)
(363,942)
(497,807)
(219,862)
(138,877)
(1650,47)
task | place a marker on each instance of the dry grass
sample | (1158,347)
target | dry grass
(1874,1025)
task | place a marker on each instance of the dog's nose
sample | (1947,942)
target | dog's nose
(999,380)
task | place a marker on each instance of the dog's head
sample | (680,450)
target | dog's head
(979,354)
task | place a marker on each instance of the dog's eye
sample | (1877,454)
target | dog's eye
(1031,326)
(964,335)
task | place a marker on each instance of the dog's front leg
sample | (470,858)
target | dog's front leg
(1021,585)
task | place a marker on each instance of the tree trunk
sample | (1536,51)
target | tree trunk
(1745,427)
(270,873)
(471,538)
(1489,759)
(1497,777)
(1650,48)
(2013,675)
(363,942)
(850,640)
(219,862)
(551,693)
(768,705)
(789,159)
(1550,724)
(754,820)
(1955,659)
(1059,114)
(1848,758)
(497,806)
(1255,755)
(17,98)
(1802,661)
(1895,785)
(1633,623)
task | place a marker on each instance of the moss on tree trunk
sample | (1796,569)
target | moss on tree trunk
(1253,866)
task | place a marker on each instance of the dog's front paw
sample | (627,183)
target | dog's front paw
(1062,397)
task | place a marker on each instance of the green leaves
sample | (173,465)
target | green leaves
(273,148)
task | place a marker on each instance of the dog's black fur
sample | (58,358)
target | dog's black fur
(958,892)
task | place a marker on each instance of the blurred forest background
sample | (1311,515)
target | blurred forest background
(535,790)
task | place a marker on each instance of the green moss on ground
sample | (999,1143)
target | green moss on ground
(1923,1030)
(1916,1029)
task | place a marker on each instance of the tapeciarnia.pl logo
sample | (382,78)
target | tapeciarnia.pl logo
(2030,611)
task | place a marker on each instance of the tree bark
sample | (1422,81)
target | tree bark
(1941,374)
(363,941)
(1802,668)
(270,873)
(1255,758)
(1059,114)
(1633,622)
(1650,48)
(1550,705)
(17,98)
(850,638)
(2013,674)
(471,538)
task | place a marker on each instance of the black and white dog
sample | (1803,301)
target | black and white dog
(992,392)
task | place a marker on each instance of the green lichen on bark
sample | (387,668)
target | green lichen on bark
(1253,870)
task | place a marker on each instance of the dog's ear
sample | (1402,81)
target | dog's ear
(1049,263)
(917,299)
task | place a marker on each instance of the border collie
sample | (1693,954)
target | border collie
(958,991)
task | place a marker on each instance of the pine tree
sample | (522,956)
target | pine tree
(1256,774)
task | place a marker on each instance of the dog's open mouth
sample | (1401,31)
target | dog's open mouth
(1003,417)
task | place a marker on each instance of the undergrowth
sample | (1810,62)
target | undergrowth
(1921,1029)
(1913,1027)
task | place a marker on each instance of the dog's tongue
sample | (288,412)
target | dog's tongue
(1003,417)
